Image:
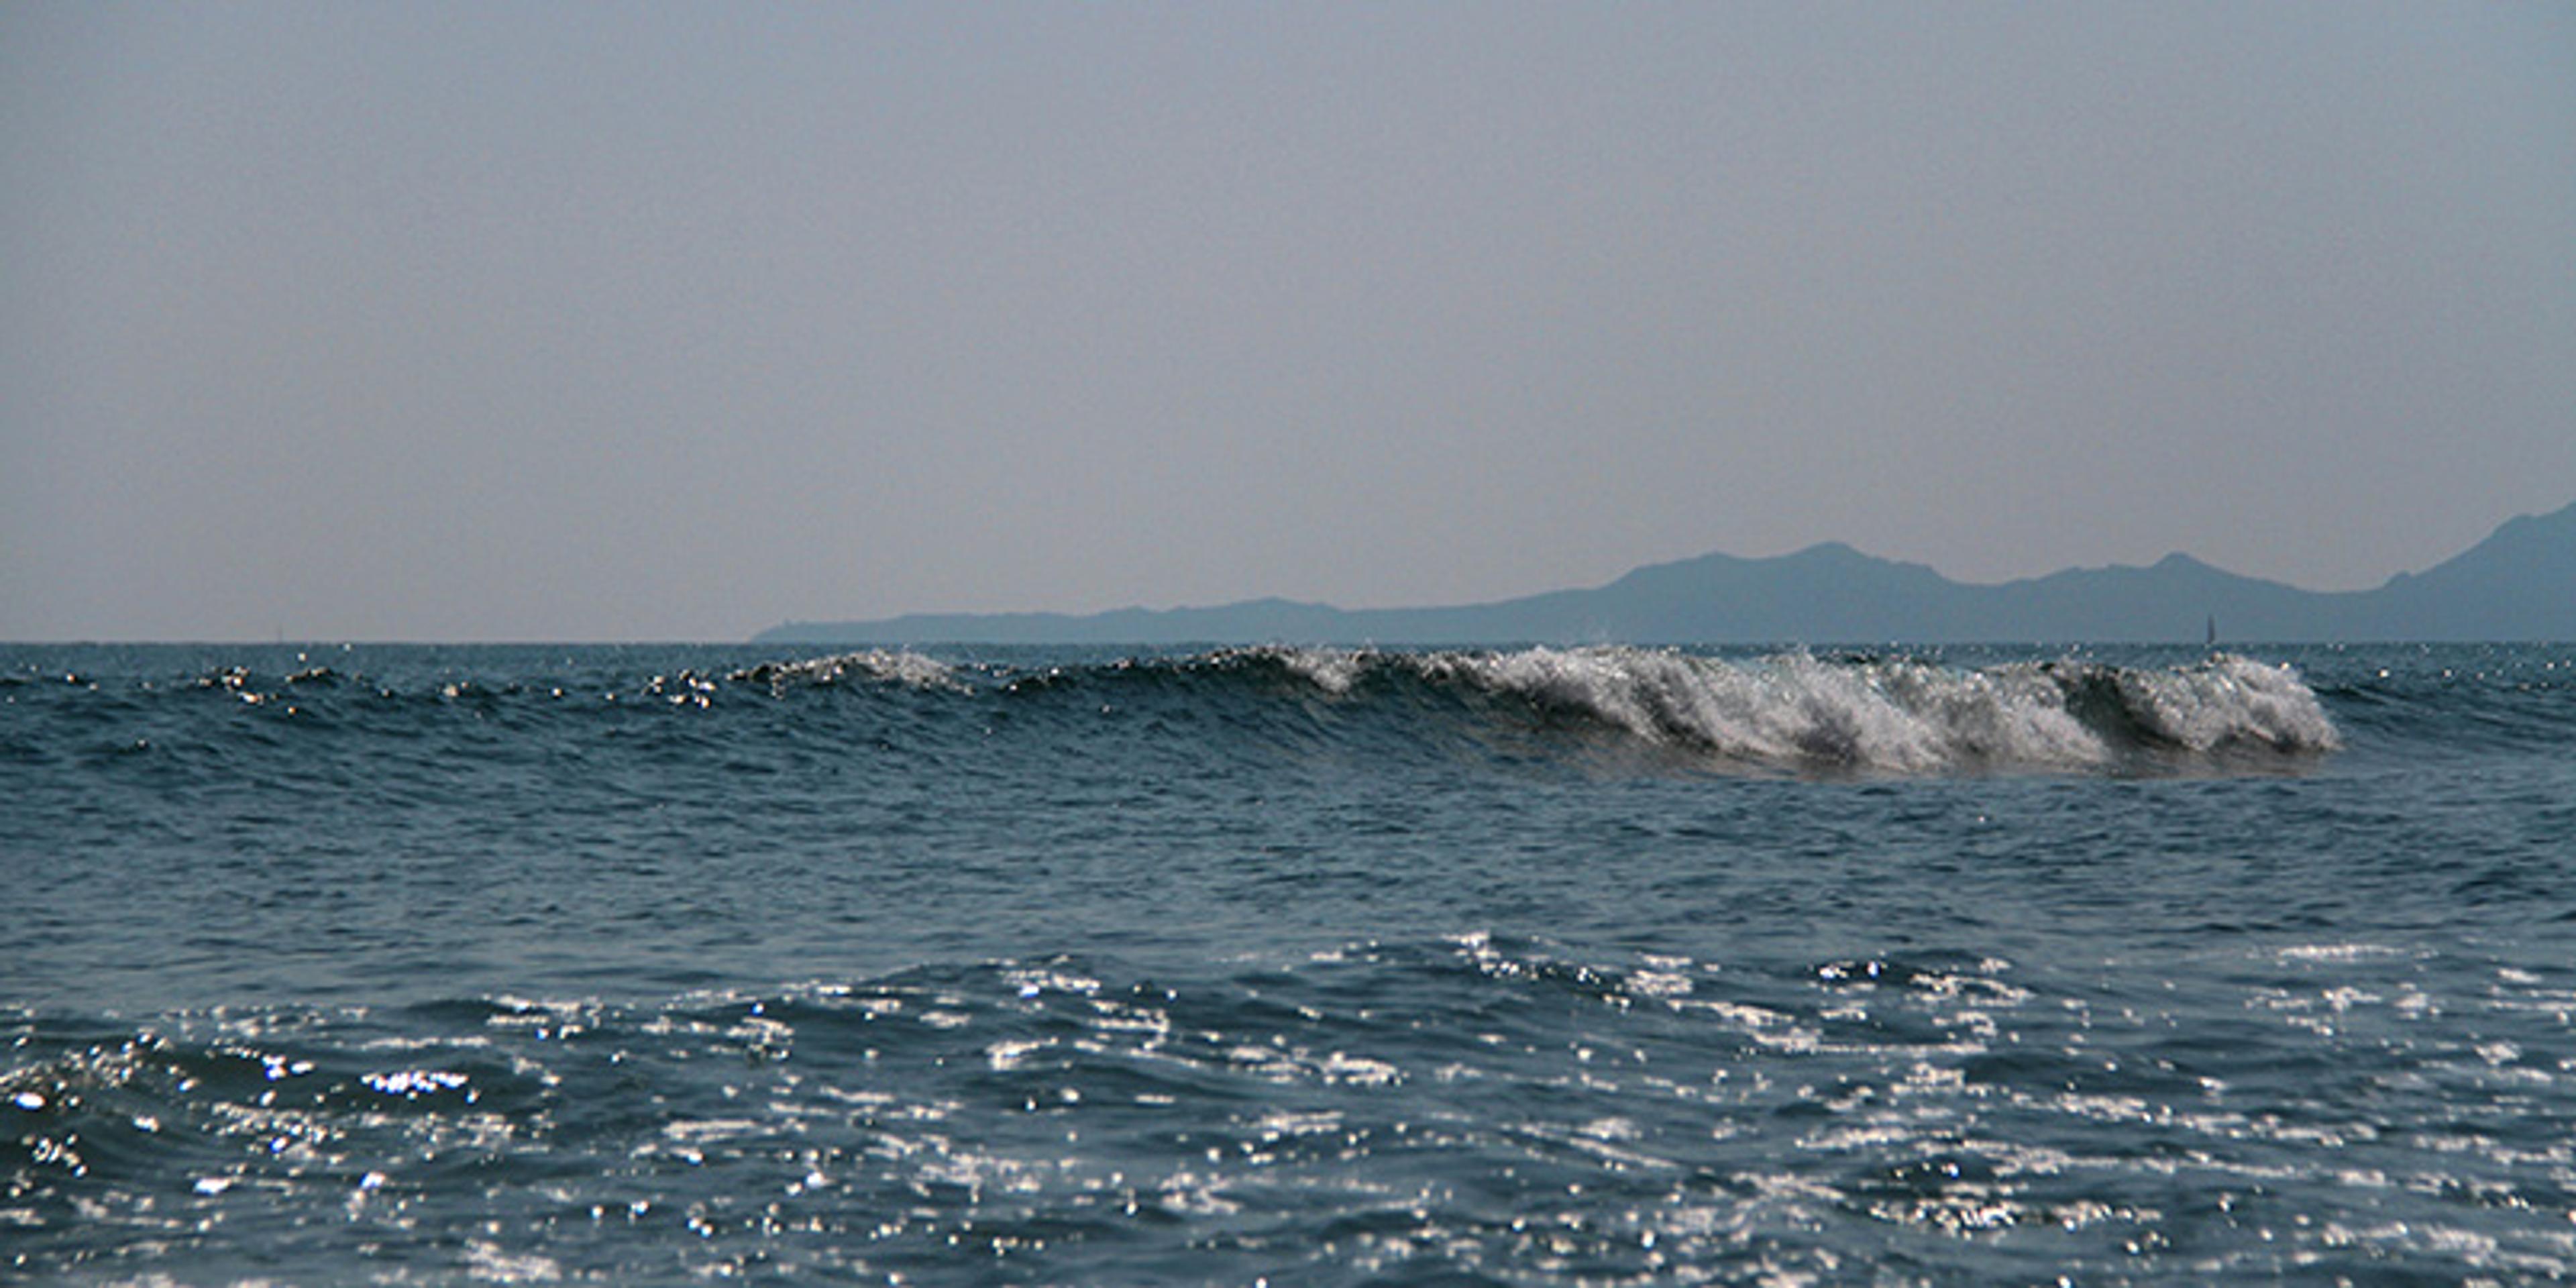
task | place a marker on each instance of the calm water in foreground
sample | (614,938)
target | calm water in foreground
(638,965)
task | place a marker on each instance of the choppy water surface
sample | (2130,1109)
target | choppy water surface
(638,965)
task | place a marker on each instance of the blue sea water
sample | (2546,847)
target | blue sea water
(668,965)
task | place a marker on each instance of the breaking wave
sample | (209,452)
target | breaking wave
(1798,711)
(1790,712)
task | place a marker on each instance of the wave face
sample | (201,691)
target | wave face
(1790,713)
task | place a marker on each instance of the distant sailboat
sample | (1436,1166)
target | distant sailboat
(2213,631)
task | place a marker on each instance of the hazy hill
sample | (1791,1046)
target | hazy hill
(2518,584)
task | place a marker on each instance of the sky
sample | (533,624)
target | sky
(460,321)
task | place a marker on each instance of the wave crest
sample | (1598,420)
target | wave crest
(900,666)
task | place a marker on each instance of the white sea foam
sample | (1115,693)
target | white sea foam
(1901,716)
(1332,670)
(2229,700)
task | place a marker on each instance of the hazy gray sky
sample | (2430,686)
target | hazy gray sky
(454,321)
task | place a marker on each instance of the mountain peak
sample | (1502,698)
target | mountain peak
(1829,550)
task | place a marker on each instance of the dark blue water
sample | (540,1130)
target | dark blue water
(527,965)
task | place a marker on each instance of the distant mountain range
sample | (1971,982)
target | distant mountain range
(2518,584)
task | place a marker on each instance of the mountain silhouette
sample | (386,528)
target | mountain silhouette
(2518,584)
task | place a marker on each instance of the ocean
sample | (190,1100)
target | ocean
(520,965)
